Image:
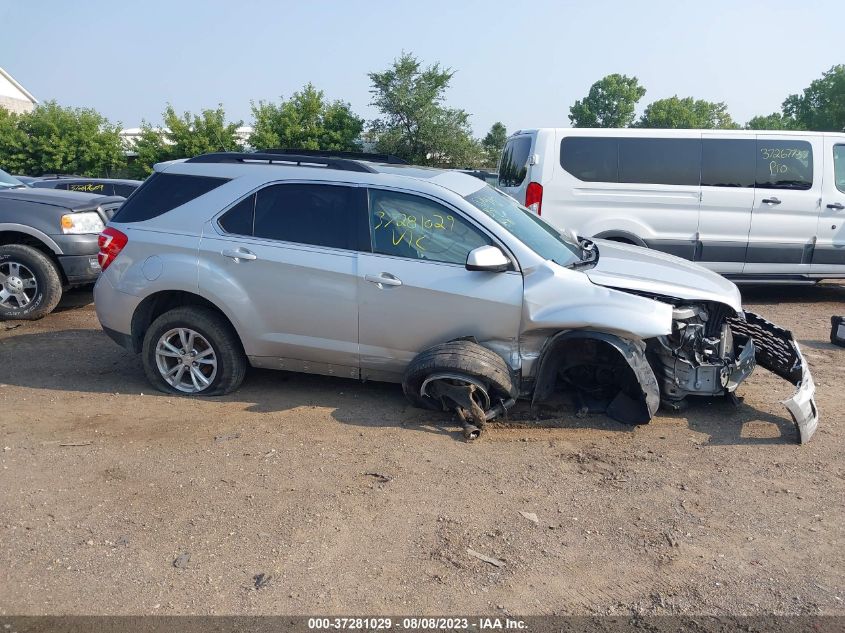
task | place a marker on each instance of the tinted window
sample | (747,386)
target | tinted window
(418,228)
(727,162)
(839,167)
(100,188)
(124,190)
(320,215)
(513,166)
(590,159)
(660,161)
(238,219)
(784,164)
(162,192)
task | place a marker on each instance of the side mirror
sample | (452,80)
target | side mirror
(488,258)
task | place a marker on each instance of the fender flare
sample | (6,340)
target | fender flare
(631,412)
(28,230)
(622,235)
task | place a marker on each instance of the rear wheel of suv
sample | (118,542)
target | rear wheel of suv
(30,285)
(193,351)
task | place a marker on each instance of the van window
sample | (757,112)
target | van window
(727,162)
(660,161)
(784,164)
(839,167)
(513,166)
(590,159)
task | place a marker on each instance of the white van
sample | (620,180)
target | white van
(755,205)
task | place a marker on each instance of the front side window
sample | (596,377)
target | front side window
(319,215)
(839,167)
(529,229)
(514,164)
(405,225)
(660,161)
(7,181)
(163,192)
(784,164)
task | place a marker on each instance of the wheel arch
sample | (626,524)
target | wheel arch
(555,353)
(26,236)
(157,303)
(626,237)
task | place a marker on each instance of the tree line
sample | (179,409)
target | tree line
(413,123)
(612,102)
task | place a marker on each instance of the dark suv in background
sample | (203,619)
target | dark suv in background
(48,243)
(101,186)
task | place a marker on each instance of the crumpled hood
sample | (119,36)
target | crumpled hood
(629,267)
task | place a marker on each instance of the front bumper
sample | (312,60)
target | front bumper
(80,269)
(777,351)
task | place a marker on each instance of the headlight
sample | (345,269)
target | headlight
(76,223)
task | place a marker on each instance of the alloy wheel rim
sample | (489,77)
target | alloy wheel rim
(18,285)
(186,360)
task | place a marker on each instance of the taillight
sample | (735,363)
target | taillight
(111,242)
(534,197)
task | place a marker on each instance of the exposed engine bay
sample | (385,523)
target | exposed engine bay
(710,351)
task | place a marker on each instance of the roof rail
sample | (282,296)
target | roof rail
(376,158)
(301,160)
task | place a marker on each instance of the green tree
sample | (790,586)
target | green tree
(821,107)
(610,103)
(773,121)
(494,142)
(414,123)
(185,136)
(56,139)
(686,113)
(306,121)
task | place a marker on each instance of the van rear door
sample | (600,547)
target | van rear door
(786,204)
(513,166)
(829,254)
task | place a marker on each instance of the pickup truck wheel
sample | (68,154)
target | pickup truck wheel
(30,285)
(193,351)
(478,365)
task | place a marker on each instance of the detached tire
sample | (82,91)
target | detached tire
(460,357)
(30,285)
(193,351)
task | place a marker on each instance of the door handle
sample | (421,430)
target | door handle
(771,200)
(238,254)
(838,206)
(383,279)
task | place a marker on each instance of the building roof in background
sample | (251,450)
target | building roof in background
(13,95)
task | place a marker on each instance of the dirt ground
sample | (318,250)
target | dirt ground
(118,500)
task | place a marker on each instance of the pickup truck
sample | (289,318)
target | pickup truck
(48,243)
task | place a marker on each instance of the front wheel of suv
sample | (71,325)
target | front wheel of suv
(193,351)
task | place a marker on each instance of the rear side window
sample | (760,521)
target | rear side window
(238,220)
(660,161)
(161,193)
(124,190)
(513,166)
(591,159)
(727,162)
(319,215)
(784,164)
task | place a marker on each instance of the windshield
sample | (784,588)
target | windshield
(526,227)
(7,181)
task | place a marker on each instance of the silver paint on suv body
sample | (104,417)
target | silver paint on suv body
(366,315)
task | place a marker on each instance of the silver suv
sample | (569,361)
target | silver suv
(375,270)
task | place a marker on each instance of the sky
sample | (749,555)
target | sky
(522,63)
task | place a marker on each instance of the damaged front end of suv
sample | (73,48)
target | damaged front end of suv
(666,331)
